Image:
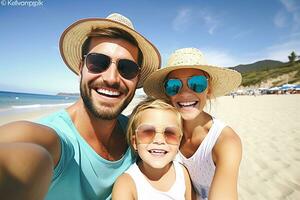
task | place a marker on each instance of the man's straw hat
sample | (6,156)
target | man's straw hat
(222,80)
(74,36)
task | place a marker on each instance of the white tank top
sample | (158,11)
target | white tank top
(201,165)
(145,191)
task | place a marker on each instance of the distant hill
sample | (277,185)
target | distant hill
(260,65)
(269,73)
(68,94)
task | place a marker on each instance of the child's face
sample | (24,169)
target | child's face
(157,151)
(189,103)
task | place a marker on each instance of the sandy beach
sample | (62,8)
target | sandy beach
(269,127)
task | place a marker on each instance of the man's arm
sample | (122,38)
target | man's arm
(28,152)
(227,156)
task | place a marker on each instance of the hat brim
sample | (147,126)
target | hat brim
(222,80)
(74,36)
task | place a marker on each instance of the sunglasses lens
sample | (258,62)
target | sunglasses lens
(172,135)
(172,86)
(197,83)
(128,69)
(97,63)
(145,133)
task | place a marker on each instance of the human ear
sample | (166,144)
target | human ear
(133,142)
(80,69)
(81,66)
(209,92)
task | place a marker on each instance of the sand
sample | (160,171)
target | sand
(269,127)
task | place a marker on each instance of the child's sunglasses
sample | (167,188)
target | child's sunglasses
(196,83)
(145,134)
(98,63)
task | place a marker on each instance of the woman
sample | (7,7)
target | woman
(210,150)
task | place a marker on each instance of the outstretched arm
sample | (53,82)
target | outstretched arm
(28,152)
(227,155)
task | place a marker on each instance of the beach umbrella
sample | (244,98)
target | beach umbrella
(287,86)
(274,89)
(297,87)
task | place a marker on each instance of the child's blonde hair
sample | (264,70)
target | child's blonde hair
(148,103)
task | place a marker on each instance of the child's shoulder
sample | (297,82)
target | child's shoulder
(182,167)
(124,188)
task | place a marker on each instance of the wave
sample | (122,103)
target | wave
(40,106)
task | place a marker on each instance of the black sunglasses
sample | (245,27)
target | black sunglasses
(98,63)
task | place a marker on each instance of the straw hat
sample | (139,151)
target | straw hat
(74,36)
(221,80)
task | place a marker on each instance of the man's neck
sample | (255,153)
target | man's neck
(104,136)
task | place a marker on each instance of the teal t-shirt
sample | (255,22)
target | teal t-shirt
(81,173)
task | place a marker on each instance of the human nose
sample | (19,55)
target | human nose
(184,87)
(159,138)
(111,76)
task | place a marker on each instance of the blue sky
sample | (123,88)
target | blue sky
(228,32)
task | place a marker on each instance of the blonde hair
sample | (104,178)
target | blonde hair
(148,103)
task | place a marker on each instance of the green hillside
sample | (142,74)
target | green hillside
(260,65)
(253,76)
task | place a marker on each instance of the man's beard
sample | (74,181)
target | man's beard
(107,113)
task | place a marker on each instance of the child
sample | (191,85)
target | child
(154,133)
(210,150)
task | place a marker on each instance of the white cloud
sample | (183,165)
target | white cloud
(293,8)
(242,34)
(280,19)
(187,17)
(182,20)
(210,22)
(220,58)
(281,51)
(290,5)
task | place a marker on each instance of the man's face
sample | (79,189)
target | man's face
(107,94)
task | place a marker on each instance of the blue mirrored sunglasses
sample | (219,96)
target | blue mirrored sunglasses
(196,83)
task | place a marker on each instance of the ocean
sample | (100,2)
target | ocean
(15,101)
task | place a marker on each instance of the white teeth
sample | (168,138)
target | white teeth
(108,92)
(157,151)
(185,104)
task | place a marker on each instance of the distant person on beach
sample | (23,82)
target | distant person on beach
(78,153)
(210,150)
(154,132)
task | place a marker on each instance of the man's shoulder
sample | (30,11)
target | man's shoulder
(59,121)
(58,115)
(124,117)
(123,120)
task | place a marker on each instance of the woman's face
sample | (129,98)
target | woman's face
(189,103)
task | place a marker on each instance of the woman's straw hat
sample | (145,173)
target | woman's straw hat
(74,36)
(222,80)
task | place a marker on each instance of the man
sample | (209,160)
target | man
(85,144)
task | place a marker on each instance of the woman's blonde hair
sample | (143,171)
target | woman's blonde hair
(148,103)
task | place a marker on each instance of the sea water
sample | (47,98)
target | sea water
(14,101)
